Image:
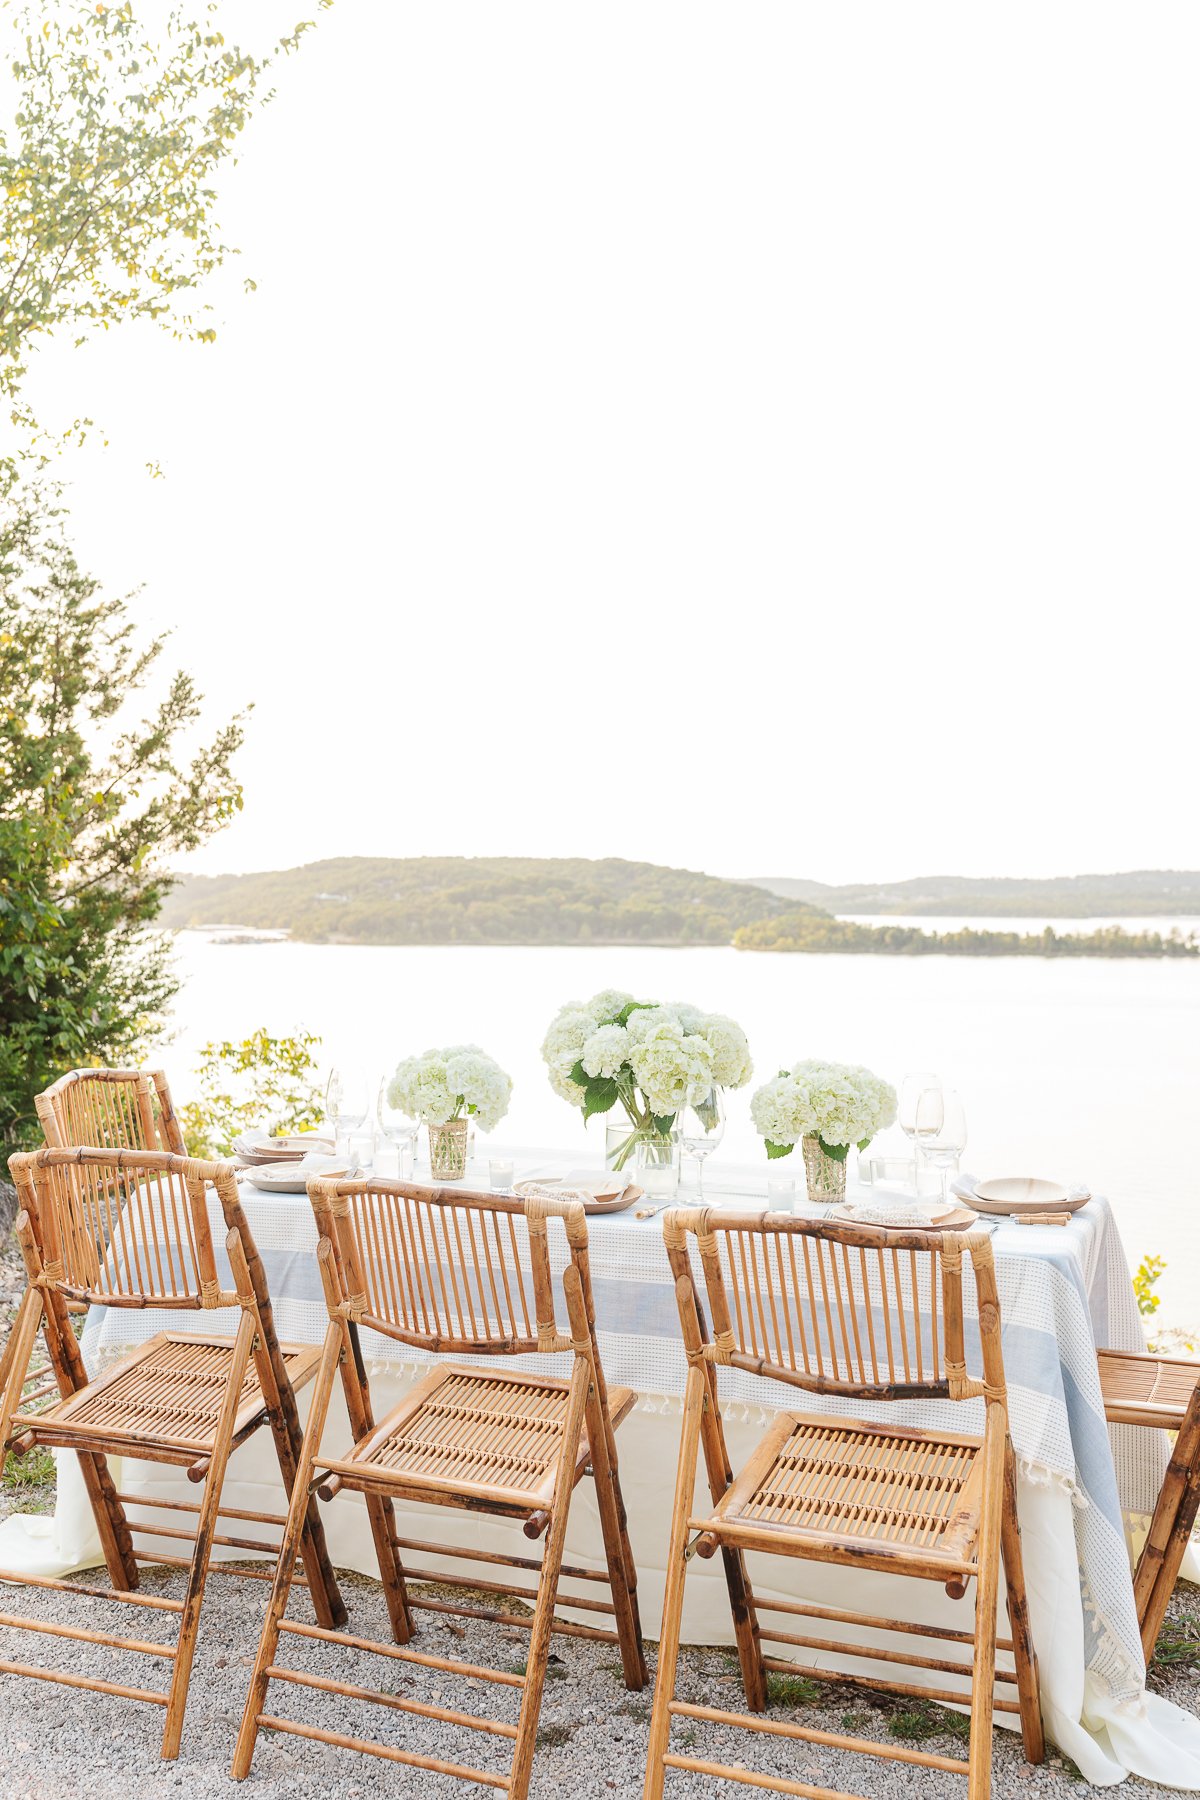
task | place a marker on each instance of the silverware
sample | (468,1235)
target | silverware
(647,1212)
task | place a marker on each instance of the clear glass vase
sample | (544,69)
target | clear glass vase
(657,1164)
(826,1176)
(448,1150)
(620,1140)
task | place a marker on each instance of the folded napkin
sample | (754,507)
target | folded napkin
(878,1212)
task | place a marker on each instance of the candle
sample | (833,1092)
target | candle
(500,1173)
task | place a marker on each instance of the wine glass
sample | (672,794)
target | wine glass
(941,1130)
(347,1103)
(911,1089)
(701,1122)
(399,1129)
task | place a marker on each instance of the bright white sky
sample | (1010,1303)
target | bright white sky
(761,438)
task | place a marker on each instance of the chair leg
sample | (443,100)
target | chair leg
(381,1513)
(1170,1529)
(285,1568)
(543,1617)
(14,1370)
(987,1583)
(695,1395)
(622,1576)
(741,1594)
(1024,1655)
(66,1360)
(206,1525)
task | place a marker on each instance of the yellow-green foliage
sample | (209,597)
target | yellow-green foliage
(260,1082)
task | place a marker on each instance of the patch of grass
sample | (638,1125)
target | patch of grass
(916,1723)
(1178,1645)
(792,1690)
(553,1737)
(634,1707)
(687,1740)
(855,1721)
(33,1470)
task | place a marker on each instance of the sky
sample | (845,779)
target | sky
(756,438)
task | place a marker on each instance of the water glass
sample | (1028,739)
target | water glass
(941,1131)
(781,1193)
(911,1089)
(500,1174)
(360,1148)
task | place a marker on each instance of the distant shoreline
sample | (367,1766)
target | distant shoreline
(577,902)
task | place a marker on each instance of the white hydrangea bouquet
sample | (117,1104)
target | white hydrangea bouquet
(825,1107)
(647,1056)
(445,1090)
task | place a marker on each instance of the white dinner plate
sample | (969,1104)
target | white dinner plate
(1025,1194)
(292,1177)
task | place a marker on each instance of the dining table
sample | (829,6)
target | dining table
(1085,1489)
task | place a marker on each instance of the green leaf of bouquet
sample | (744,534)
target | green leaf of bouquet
(579,1075)
(600,1097)
(774,1150)
(863,1142)
(838,1152)
(662,1123)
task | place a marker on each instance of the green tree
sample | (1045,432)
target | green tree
(115,134)
(118,131)
(97,797)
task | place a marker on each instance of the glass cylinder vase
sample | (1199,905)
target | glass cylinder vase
(620,1140)
(448,1150)
(826,1176)
(658,1165)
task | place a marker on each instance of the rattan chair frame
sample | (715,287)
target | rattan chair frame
(406,1285)
(825,1343)
(1128,1382)
(66,1266)
(117,1109)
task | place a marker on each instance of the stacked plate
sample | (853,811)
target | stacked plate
(259,1147)
(599,1193)
(1022,1196)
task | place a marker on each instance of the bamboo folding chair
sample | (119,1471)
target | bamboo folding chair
(111,1109)
(131,1229)
(862,1313)
(459,1274)
(1163,1393)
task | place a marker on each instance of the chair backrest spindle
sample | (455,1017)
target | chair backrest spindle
(453,1272)
(126,1227)
(110,1109)
(834,1307)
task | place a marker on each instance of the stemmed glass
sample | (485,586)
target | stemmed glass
(701,1122)
(347,1104)
(941,1130)
(399,1129)
(911,1089)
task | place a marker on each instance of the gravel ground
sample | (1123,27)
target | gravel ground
(593,1734)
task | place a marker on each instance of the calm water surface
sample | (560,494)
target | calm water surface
(1085,1069)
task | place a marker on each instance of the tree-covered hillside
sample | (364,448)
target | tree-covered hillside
(1147,893)
(477,900)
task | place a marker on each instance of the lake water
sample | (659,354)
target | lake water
(1084,1069)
